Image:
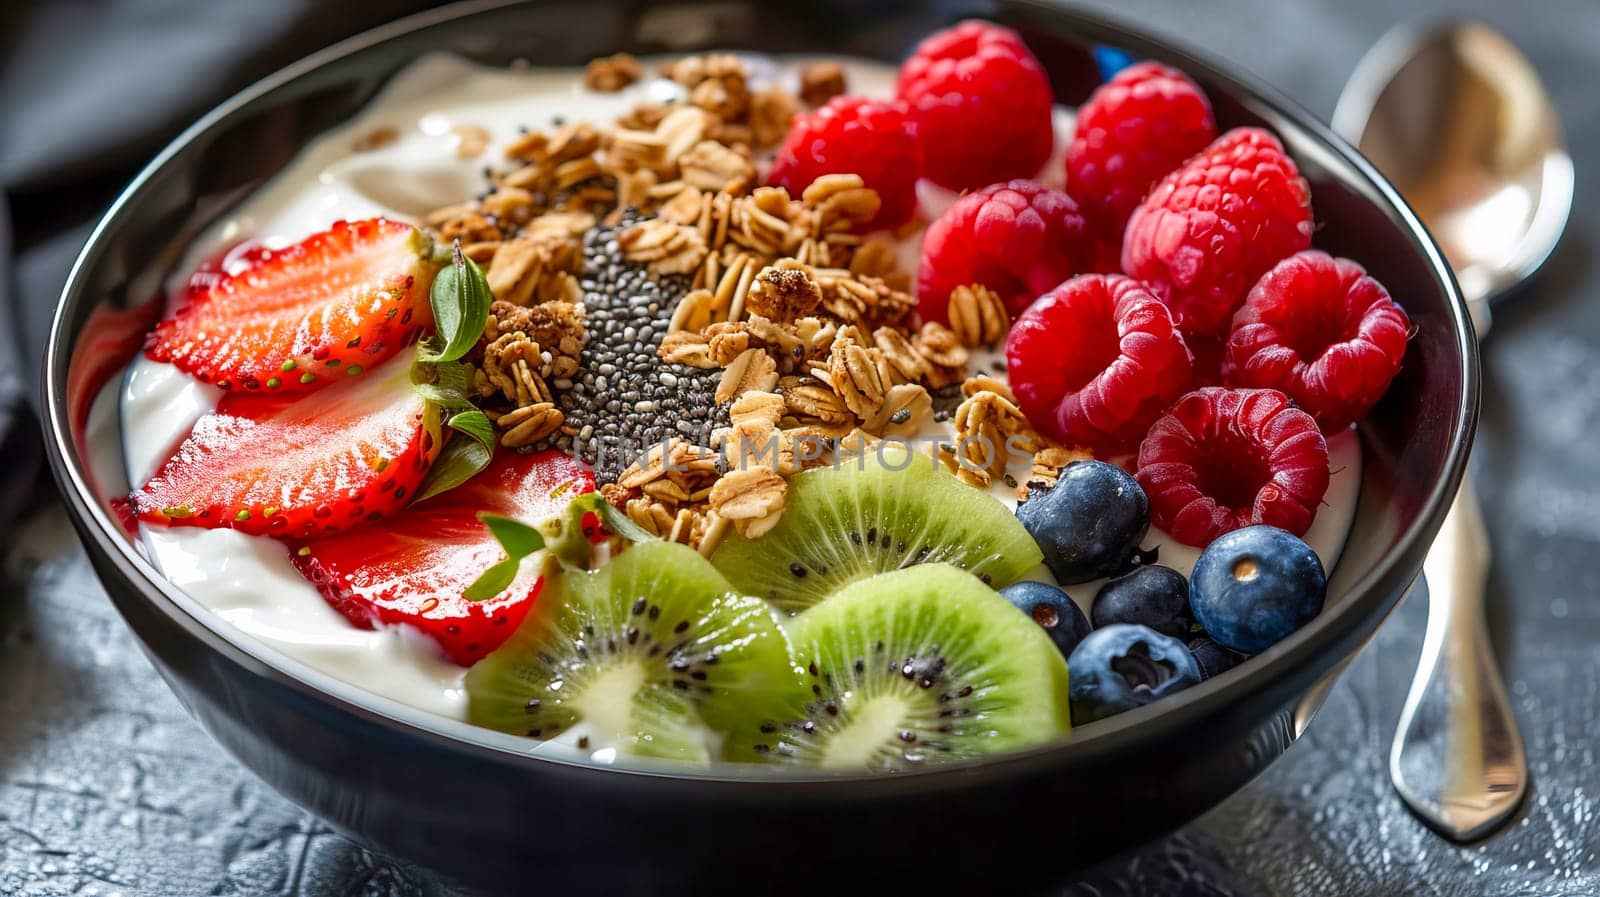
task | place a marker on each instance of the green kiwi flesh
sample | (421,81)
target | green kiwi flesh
(842,524)
(909,669)
(647,655)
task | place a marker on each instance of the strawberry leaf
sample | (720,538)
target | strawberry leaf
(445,384)
(516,537)
(463,456)
(494,580)
(475,424)
(518,540)
(460,299)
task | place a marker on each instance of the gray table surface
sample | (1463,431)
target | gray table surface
(107,788)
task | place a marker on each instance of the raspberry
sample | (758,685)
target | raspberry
(1095,360)
(1018,239)
(1208,231)
(854,135)
(1221,459)
(1136,128)
(981,105)
(1322,331)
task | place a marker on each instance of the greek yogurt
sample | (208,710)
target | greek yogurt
(249,582)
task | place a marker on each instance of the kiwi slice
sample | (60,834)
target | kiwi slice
(892,510)
(913,668)
(643,655)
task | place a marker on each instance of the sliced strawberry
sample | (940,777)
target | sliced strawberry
(298,318)
(312,465)
(413,567)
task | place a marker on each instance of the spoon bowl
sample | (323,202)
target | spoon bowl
(1456,117)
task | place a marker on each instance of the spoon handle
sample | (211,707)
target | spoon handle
(1457,759)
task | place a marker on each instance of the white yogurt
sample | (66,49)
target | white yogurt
(249,582)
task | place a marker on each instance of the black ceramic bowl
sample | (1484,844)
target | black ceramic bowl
(474,803)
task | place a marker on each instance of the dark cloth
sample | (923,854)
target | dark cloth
(89,92)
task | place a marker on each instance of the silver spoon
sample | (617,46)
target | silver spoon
(1459,121)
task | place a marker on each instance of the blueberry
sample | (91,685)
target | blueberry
(1122,667)
(1254,586)
(1051,608)
(1214,660)
(1089,523)
(1153,596)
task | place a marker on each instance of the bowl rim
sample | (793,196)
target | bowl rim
(103,536)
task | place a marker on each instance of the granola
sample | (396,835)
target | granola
(977,316)
(666,247)
(1047,465)
(906,407)
(770,112)
(855,373)
(752,497)
(751,369)
(610,74)
(946,358)
(821,81)
(784,291)
(709,165)
(529,424)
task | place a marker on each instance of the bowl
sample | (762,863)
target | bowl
(475,804)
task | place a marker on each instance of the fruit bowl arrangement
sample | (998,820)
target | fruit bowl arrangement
(969,427)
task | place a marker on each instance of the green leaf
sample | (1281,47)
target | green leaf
(443,383)
(462,457)
(476,424)
(517,538)
(493,581)
(460,299)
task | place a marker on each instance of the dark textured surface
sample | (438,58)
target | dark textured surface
(106,787)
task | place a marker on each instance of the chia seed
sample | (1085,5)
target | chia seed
(626,400)
(945,400)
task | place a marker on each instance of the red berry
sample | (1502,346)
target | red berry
(1018,239)
(854,135)
(300,465)
(411,568)
(1221,459)
(981,105)
(291,319)
(1209,230)
(1135,129)
(1095,360)
(1322,331)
